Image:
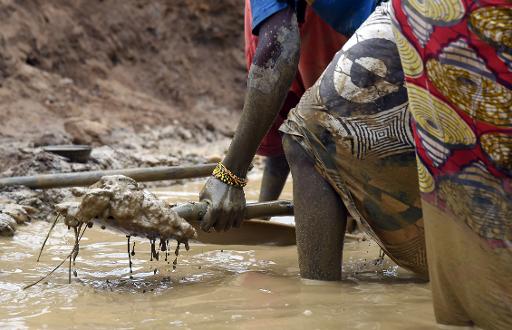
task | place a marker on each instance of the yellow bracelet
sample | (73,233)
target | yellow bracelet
(223,174)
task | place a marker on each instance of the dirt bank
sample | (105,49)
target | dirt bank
(117,64)
(147,82)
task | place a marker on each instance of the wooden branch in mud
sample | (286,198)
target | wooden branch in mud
(196,211)
(76,179)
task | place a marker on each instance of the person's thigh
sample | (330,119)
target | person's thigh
(354,123)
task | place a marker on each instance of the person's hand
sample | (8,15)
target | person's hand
(226,205)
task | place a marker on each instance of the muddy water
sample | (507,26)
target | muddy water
(213,287)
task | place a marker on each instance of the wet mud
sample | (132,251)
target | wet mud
(212,287)
(209,287)
(12,215)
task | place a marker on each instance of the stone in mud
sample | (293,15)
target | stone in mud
(7,225)
(120,202)
(19,213)
(214,159)
(11,215)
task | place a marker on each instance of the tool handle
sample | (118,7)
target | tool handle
(195,211)
(76,179)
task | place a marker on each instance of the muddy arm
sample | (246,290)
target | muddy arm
(271,74)
(270,77)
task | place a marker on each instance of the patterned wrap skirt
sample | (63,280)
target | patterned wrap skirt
(355,124)
(457,59)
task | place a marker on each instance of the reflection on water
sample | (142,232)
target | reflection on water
(213,287)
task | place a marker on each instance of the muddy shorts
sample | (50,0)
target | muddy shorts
(319,43)
(355,124)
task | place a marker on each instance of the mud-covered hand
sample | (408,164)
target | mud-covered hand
(226,205)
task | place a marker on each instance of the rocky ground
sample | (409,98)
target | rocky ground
(145,82)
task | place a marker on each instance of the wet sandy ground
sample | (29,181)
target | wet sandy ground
(213,287)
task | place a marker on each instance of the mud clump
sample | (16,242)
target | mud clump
(7,225)
(12,215)
(121,203)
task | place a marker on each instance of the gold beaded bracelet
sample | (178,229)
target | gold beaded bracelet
(223,174)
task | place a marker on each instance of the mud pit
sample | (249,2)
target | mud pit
(249,287)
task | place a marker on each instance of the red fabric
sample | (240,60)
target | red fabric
(442,37)
(479,55)
(319,43)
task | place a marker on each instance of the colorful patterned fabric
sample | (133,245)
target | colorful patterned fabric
(345,16)
(457,58)
(319,42)
(354,124)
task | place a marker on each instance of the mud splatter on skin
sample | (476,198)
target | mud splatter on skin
(282,63)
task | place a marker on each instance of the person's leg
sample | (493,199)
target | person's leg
(274,177)
(320,217)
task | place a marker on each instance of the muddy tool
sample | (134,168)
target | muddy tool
(121,203)
(76,179)
(252,232)
(78,153)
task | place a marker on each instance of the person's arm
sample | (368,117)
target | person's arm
(270,76)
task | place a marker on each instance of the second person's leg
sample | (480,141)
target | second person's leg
(320,217)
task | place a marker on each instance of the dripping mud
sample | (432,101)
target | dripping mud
(121,203)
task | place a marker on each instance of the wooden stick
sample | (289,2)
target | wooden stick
(195,211)
(252,232)
(76,179)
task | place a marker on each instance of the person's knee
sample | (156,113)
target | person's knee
(291,149)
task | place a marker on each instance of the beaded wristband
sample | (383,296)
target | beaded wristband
(223,174)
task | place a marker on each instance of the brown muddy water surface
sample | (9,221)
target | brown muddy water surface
(213,287)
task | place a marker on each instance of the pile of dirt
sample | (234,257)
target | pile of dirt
(80,71)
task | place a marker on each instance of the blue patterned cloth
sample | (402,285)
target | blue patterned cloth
(345,16)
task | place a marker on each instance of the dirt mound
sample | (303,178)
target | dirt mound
(118,63)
